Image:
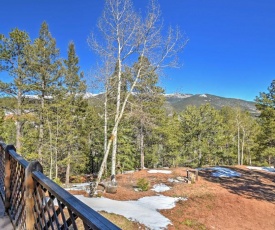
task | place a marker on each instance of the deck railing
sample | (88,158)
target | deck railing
(33,201)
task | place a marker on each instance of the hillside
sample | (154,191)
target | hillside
(178,102)
(223,198)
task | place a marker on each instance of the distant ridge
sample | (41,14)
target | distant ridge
(178,102)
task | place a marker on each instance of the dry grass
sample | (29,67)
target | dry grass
(122,222)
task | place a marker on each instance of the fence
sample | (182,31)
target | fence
(33,201)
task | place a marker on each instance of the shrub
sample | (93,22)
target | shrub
(77,179)
(57,181)
(194,224)
(143,184)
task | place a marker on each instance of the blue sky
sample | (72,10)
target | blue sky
(231,51)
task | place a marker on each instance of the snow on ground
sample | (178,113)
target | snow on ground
(269,169)
(80,186)
(143,210)
(159,171)
(222,172)
(160,188)
(173,180)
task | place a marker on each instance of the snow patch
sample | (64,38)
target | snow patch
(178,95)
(203,95)
(224,172)
(37,97)
(159,171)
(143,210)
(269,169)
(88,95)
(81,186)
(160,188)
(172,180)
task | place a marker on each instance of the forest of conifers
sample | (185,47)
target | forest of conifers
(46,114)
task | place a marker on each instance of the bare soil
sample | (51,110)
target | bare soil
(246,202)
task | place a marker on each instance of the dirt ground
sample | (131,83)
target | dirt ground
(247,202)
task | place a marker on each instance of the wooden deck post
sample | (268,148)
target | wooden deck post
(29,190)
(8,176)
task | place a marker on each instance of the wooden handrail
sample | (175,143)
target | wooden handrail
(33,201)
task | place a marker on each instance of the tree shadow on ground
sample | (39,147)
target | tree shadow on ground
(255,184)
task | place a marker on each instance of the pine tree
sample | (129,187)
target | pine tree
(239,130)
(73,110)
(12,60)
(265,103)
(201,126)
(44,69)
(147,104)
(170,142)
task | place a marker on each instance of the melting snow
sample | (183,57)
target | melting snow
(143,210)
(81,186)
(160,188)
(159,171)
(203,95)
(269,169)
(173,180)
(224,172)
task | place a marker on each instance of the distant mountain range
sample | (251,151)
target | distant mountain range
(178,102)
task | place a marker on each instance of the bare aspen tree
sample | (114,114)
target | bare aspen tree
(124,37)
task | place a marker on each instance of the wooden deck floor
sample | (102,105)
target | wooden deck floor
(5,222)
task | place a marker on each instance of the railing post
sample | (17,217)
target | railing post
(8,176)
(29,190)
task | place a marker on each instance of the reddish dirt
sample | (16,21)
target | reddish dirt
(247,202)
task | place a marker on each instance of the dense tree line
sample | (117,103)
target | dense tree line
(45,113)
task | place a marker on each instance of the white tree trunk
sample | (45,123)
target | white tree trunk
(118,103)
(239,158)
(126,37)
(18,121)
(111,139)
(106,123)
(41,128)
(141,149)
(243,143)
(51,148)
(68,169)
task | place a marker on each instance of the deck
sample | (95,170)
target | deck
(5,222)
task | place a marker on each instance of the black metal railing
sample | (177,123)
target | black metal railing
(33,201)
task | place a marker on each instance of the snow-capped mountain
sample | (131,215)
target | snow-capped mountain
(178,102)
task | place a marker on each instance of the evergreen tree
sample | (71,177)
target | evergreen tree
(147,104)
(170,142)
(201,127)
(238,135)
(73,110)
(7,127)
(228,146)
(265,103)
(44,68)
(12,60)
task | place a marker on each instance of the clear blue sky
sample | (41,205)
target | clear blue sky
(231,51)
